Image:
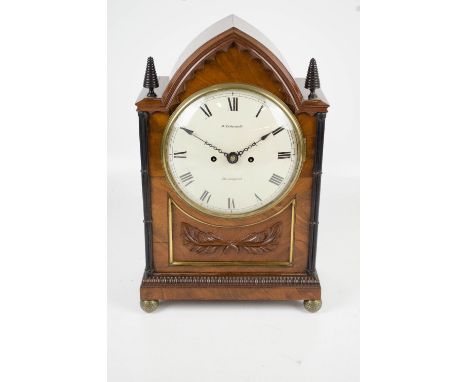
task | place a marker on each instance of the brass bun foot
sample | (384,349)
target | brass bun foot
(149,306)
(312,305)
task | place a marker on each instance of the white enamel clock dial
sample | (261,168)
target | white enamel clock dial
(232,150)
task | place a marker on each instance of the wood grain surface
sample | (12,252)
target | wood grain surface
(231,57)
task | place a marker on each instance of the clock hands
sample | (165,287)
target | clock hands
(187,130)
(233,157)
(239,153)
(190,132)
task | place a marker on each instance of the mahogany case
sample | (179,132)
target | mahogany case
(179,263)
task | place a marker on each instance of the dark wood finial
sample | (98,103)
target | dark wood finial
(312,81)
(151,78)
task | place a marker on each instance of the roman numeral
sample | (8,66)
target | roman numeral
(206,110)
(284,154)
(259,110)
(278,130)
(187,178)
(231,204)
(204,196)
(234,104)
(276,179)
(258,197)
(180,154)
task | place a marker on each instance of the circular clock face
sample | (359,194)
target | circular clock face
(232,150)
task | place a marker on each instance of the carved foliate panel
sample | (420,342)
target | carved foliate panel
(204,243)
(193,242)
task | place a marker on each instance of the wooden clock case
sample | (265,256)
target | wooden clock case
(268,256)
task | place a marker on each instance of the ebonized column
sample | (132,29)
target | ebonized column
(146,186)
(315,200)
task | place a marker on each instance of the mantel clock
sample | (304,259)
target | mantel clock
(231,159)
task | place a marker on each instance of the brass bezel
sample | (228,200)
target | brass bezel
(234,86)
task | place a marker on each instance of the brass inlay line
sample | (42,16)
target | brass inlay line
(292,204)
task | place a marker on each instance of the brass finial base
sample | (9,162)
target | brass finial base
(149,306)
(312,305)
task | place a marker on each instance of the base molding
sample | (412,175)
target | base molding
(176,279)
(165,286)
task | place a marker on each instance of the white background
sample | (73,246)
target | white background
(235,341)
(328,31)
(413,193)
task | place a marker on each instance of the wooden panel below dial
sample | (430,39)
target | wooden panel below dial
(193,242)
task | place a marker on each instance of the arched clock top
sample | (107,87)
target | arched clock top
(232,56)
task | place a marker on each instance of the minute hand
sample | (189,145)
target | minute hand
(190,132)
(254,144)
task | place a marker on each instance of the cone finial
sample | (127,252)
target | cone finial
(151,78)
(312,81)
